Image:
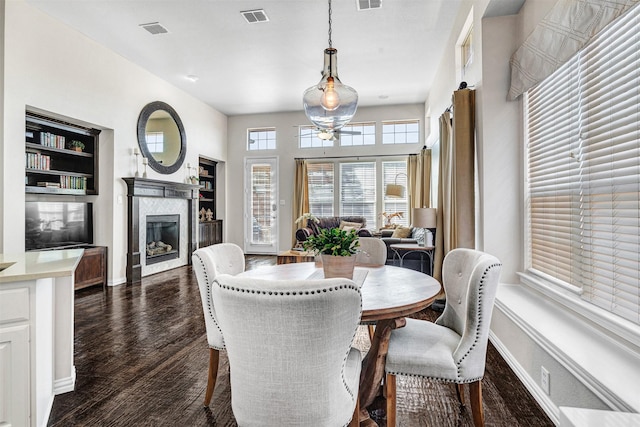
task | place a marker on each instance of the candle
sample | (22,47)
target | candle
(145,161)
(188,165)
(136,151)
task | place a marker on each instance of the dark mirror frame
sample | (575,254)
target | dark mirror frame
(142,140)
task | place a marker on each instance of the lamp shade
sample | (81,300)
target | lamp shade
(394,190)
(424,217)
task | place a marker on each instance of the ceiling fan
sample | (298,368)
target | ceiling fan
(329,134)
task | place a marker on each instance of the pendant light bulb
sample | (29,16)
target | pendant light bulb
(330,99)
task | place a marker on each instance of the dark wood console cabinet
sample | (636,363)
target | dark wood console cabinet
(92,268)
(210,233)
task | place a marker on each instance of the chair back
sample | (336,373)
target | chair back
(288,342)
(373,252)
(470,280)
(208,262)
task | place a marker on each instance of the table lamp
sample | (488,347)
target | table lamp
(425,218)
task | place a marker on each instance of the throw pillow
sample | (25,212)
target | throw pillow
(348,228)
(402,232)
(354,225)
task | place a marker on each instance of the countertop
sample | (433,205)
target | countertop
(38,264)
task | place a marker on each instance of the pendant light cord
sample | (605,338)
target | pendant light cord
(330,44)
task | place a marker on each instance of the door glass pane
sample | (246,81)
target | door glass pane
(262,203)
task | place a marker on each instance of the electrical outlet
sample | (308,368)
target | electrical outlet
(544,379)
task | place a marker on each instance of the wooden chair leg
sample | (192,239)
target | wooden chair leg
(391,400)
(460,392)
(475,392)
(214,357)
(355,419)
(371,332)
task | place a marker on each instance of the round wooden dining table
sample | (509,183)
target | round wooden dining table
(388,295)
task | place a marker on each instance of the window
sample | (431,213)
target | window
(155,142)
(358,190)
(358,134)
(583,164)
(308,137)
(261,139)
(320,177)
(396,173)
(466,51)
(401,132)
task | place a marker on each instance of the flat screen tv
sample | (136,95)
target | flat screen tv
(56,225)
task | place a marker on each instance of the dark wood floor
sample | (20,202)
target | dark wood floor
(141,360)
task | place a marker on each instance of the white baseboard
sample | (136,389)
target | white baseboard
(552,411)
(65,385)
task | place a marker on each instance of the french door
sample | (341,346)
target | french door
(261,205)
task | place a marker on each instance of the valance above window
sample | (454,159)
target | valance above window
(564,31)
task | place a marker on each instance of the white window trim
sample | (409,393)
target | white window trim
(624,331)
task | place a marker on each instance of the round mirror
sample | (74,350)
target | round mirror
(161,137)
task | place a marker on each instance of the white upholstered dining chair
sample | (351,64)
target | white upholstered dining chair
(453,349)
(208,262)
(373,252)
(289,347)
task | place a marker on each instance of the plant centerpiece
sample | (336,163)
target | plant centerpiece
(76,145)
(338,250)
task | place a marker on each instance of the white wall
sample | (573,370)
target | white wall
(286,125)
(52,68)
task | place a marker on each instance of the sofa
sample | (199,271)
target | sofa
(329,222)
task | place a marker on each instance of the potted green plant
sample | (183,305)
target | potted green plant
(338,250)
(76,145)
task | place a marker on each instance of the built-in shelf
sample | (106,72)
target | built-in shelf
(52,164)
(210,232)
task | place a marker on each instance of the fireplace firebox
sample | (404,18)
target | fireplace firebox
(163,238)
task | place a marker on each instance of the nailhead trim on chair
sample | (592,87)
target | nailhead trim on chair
(294,293)
(312,292)
(206,277)
(475,341)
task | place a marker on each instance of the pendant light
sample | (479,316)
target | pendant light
(330,104)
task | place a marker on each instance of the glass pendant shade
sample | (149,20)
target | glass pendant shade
(330,104)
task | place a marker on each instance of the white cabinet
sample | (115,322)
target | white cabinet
(14,369)
(14,356)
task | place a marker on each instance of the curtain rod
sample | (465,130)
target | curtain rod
(354,157)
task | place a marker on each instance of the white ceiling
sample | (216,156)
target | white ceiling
(247,68)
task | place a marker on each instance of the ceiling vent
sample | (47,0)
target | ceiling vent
(154,28)
(255,16)
(369,4)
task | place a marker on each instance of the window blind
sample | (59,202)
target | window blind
(358,191)
(320,182)
(396,173)
(584,170)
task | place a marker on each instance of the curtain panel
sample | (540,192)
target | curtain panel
(562,33)
(456,189)
(300,196)
(419,172)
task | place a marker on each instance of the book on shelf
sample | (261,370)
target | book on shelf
(49,184)
(73,182)
(38,161)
